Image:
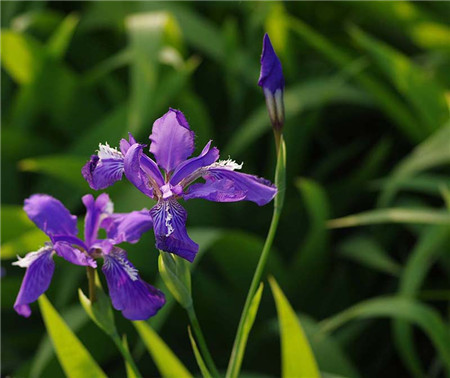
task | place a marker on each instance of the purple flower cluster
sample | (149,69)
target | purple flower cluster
(129,293)
(172,143)
(172,176)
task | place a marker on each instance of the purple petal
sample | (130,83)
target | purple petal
(104,169)
(169,224)
(271,76)
(172,140)
(126,144)
(73,255)
(190,166)
(142,171)
(127,227)
(129,293)
(225,185)
(40,268)
(50,215)
(96,211)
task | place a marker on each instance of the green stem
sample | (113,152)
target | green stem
(201,341)
(237,353)
(126,354)
(92,287)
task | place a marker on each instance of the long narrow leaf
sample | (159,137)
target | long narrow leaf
(72,354)
(398,308)
(166,361)
(392,215)
(296,355)
(201,364)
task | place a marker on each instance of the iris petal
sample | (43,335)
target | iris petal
(190,166)
(172,141)
(73,255)
(169,225)
(40,268)
(50,215)
(225,185)
(271,76)
(96,211)
(127,227)
(129,293)
(143,179)
(103,169)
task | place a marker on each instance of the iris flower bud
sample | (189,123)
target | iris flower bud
(271,80)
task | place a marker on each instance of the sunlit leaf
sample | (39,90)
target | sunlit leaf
(166,361)
(198,357)
(22,56)
(246,328)
(296,355)
(59,42)
(73,356)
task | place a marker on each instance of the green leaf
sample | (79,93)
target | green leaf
(73,356)
(76,318)
(392,215)
(431,245)
(310,263)
(167,363)
(63,167)
(420,90)
(22,56)
(387,100)
(367,252)
(128,367)
(296,355)
(14,222)
(59,42)
(198,356)
(27,242)
(148,33)
(433,152)
(330,355)
(398,308)
(247,327)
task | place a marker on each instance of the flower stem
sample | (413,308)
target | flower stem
(201,341)
(92,288)
(126,354)
(237,353)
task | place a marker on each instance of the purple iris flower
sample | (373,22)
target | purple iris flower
(271,79)
(172,142)
(129,293)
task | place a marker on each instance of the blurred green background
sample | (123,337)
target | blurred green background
(367,130)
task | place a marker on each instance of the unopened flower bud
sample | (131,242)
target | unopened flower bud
(271,80)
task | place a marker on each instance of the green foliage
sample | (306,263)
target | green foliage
(167,362)
(73,356)
(367,132)
(296,355)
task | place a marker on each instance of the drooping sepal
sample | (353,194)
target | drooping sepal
(169,225)
(40,267)
(129,293)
